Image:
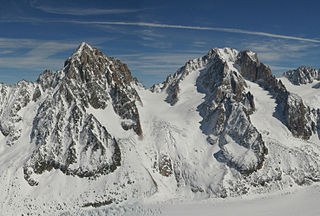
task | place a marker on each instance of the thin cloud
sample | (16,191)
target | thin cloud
(230,30)
(200,44)
(276,50)
(158,64)
(32,53)
(157,25)
(280,68)
(283,55)
(85,11)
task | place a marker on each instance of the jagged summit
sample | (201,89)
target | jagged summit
(62,128)
(88,63)
(245,63)
(302,75)
(83,47)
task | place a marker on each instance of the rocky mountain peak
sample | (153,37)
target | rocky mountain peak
(88,64)
(65,130)
(226,54)
(83,47)
(227,105)
(85,64)
(302,75)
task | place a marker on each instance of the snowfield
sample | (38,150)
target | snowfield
(300,201)
(303,201)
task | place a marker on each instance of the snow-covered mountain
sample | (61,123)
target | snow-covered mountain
(302,75)
(90,135)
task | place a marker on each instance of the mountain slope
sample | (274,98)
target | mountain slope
(90,135)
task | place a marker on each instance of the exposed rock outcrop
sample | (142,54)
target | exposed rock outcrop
(299,118)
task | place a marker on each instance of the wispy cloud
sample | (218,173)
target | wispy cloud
(200,44)
(278,50)
(158,64)
(84,11)
(280,68)
(230,30)
(283,55)
(5,52)
(158,25)
(31,53)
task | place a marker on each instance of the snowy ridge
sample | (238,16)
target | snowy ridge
(302,75)
(89,138)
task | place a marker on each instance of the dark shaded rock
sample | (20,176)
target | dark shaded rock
(291,109)
(101,78)
(36,94)
(92,150)
(316,86)
(165,165)
(98,204)
(298,117)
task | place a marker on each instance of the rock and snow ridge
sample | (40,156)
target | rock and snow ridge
(302,75)
(90,135)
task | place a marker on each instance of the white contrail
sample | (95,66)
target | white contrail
(232,30)
(86,12)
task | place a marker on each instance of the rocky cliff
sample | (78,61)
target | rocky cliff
(298,117)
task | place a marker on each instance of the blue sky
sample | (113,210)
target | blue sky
(155,38)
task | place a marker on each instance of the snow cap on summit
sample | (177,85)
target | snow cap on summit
(83,46)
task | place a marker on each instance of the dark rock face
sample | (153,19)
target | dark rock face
(165,165)
(317,86)
(226,114)
(299,117)
(66,136)
(291,109)
(302,75)
(83,147)
(96,73)
(225,111)
(253,70)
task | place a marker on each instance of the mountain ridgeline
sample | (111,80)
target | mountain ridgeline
(199,131)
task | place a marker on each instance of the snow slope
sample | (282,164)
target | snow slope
(308,92)
(300,202)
